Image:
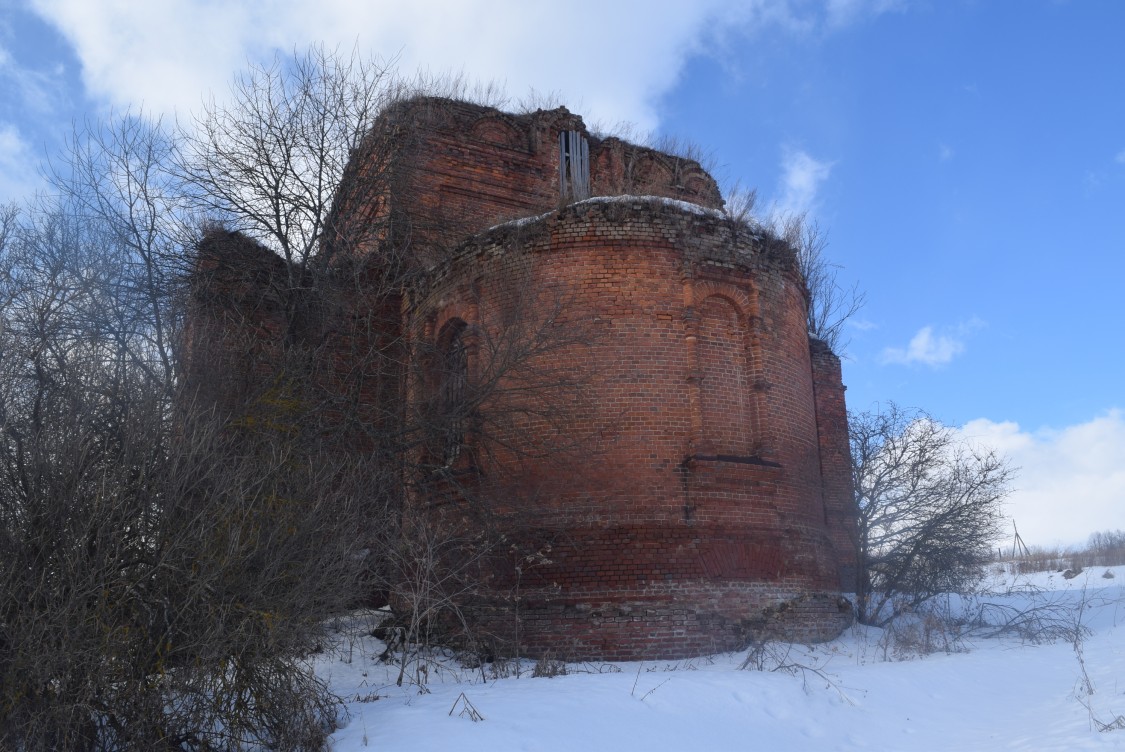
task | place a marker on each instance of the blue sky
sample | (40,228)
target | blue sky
(974,185)
(966,158)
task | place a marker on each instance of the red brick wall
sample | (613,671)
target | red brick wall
(835,460)
(723,354)
(686,495)
(236,322)
(255,336)
(663,451)
(467,167)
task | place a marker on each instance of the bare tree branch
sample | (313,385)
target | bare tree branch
(831,304)
(929,509)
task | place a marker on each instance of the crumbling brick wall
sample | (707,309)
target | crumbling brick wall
(236,322)
(840,512)
(662,447)
(678,524)
(461,168)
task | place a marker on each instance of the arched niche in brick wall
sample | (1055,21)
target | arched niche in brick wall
(725,377)
(693,181)
(499,130)
(645,172)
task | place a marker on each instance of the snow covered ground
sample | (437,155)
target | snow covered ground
(855,693)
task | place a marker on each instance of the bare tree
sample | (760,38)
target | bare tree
(9,214)
(115,181)
(165,567)
(1105,548)
(272,163)
(929,510)
(168,558)
(831,304)
(164,570)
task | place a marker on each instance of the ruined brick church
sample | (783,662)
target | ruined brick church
(617,373)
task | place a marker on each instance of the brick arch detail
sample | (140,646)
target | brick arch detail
(444,332)
(487,127)
(463,311)
(450,382)
(469,313)
(745,305)
(724,368)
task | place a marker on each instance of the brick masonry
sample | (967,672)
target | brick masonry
(711,491)
(662,445)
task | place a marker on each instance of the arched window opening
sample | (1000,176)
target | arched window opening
(453,381)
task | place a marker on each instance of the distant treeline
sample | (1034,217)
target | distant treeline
(1105,548)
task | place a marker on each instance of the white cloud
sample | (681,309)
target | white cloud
(1071,481)
(801,178)
(613,60)
(35,90)
(18,177)
(945,152)
(931,348)
(1120,158)
(925,348)
(610,61)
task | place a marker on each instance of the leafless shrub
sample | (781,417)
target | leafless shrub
(434,575)
(549,667)
(830,304)
(764,631)
(167,562)
(468,710)
(739,205)
(785,658)
(163,574)
(536,100)
(929,510)
(1085,688)
(930,629)
(1043,621)
(683,149)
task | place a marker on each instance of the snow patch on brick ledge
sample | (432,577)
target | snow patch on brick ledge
(686,206)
